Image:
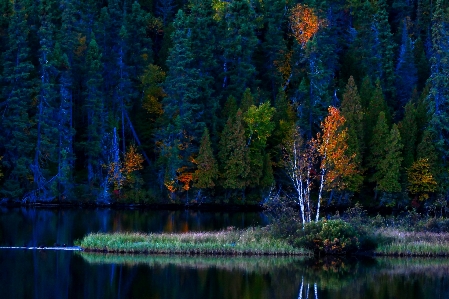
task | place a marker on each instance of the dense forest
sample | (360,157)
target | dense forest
(225,101)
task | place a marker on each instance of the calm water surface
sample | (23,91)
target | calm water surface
(63,274)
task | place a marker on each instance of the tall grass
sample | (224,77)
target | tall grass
(252,241)
(405,243)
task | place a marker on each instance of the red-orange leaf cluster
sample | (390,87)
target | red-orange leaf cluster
(304,23)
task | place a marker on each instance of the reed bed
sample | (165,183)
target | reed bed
(401,243)
(252,241)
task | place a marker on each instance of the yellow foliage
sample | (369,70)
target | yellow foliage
(133,160)
(421,180)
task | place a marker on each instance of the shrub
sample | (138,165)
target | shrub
(335,237)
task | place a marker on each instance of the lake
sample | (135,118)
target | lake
(66,274)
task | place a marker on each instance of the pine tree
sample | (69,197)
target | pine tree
(181,109)
(207,172)
(139,54)
(406,72)
(274,45)
(47,126)
(94,109)
(387,174)
(366,92)
(64,63)
(18,134)
(409,133)
(378,143)
(238,44)
(204,39)
(352,111)
(376,105)
(234,154)
(439,81)
(247,101)
(384,50)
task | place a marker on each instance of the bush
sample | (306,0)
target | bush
(335,237)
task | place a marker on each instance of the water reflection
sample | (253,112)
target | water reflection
(47,227)
(52,274)
(62,274)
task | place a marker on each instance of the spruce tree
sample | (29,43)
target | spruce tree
(274,45)
(234,154)
(406,72)
(182,126)
(377,104)
(18,134)
(204,39)
(439,81)
(378,143)
(387,174)
(352,111)
(247,101)
(238,44)
(94,111)
(207,169)
(47,126)
(409,133)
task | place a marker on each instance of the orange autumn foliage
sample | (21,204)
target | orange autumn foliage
(304,23)
(133,160)
(332,146)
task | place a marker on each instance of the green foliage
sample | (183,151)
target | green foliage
(234,154)
(207,168)
(409,133)
(388,170)
(333,237)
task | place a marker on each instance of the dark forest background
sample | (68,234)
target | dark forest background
(160,101)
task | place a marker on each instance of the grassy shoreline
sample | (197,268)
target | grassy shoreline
(412,244)
(257,242)
(251,242)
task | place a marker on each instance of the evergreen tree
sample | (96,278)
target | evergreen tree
(366,92)
(234,154)
(182,127)
(409,133)
(238,44)
(378,143)
(384,50)
(274,46)
(388,170)
(18,134)
(207,171)
(204,51)
(406,72)
(47,129)
(376,105)
(439,81)
(247,101)
(352,111)
(94,110)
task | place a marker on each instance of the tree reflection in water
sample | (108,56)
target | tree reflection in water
(306,290)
